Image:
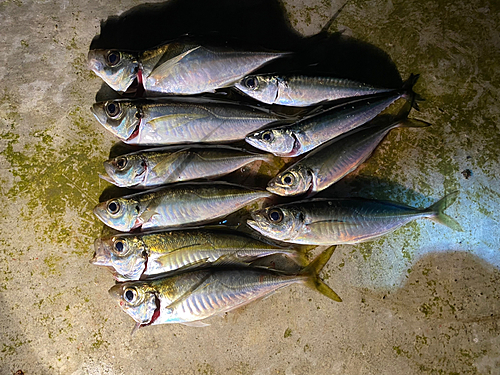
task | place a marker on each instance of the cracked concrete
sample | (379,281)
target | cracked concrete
(422,300)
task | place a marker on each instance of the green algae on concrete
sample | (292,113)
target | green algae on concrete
(66,179)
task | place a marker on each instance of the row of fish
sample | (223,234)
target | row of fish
(173,271)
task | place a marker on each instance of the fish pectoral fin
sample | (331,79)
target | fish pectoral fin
(188,292)
(148,213)
(163,166)
(175,120)
(163,69)
(197,323)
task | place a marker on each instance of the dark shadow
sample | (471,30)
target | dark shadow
(466,282)
(354,185)
(246,25)
(113,191)
(443,317)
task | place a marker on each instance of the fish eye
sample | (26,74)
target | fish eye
(288,179)
(113,109)
(268,136)
(275,215)
(251,83)
(121,162)
(113,58)
(130,295)
(119,246)
(113,207)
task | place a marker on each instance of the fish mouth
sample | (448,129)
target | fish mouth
(101,256)
(97,110)
(253,224)
(98,210)
(109,168)
(253,141)
(116,291)
(93,63)
(258,219)
(273,188)
(109,179)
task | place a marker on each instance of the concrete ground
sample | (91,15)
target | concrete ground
(422,300)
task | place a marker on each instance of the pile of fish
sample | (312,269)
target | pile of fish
(173,260)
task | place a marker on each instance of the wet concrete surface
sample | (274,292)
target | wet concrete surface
(422,300)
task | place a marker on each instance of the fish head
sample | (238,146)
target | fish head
(126,171)
(137,299)
(127,255)
(119,117)
(277,141)
(279,223)
(119,213)
(118,69)
(262,88)
(293,181)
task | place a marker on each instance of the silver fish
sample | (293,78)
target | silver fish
(191,297)
(302,91)
(177,68)
(343,221)
(310,132)
(158,166)
(330,162)
(141,255)
(176,205)
(181,120)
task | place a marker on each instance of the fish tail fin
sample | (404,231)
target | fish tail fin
(299,254)
(413,123)
(402,120)
(408,92)
(312,270)
(440,217)
(327,26)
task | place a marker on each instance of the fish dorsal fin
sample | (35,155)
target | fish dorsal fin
(163,69)
(175,120)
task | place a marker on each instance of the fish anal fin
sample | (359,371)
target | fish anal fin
(197,323)
(201,262)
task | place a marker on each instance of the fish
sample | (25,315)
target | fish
(176,205)
(177,68)
(302,91)
(333,160)
(170,121)
(192,297)
(135,256)
(158,166)
(343,221)
(295,139)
